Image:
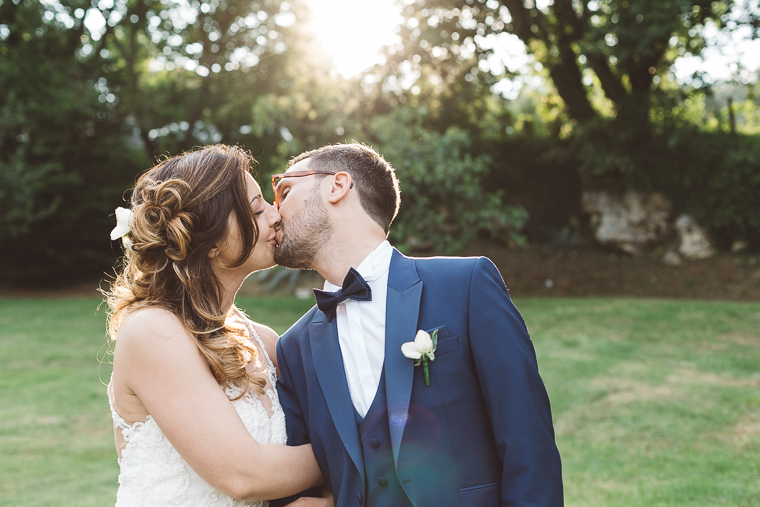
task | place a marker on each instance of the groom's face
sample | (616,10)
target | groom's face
(305,225)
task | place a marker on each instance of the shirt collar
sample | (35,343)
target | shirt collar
(374,265)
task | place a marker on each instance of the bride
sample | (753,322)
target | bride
(196,416)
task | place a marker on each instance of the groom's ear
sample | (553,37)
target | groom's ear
(341,184)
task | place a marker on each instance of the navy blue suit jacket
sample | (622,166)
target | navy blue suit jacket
(480,434)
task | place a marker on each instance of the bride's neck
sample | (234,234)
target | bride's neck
(229,291)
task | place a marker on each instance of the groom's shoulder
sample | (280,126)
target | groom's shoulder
(455,271)
(298,331)
(453,266)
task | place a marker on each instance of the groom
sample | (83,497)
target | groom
(479,433)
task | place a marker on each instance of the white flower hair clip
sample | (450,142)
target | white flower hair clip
(123,223)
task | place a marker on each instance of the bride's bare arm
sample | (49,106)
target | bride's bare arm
(156,359)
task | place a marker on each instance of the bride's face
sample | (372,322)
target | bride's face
(267,218)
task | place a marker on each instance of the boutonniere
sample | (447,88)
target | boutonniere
(422,350)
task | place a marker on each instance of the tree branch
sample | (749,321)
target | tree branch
(568,81)
(611,85)
(524,26)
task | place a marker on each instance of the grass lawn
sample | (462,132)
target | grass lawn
(656,403)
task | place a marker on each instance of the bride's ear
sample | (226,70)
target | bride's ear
(340,186)
(213,253)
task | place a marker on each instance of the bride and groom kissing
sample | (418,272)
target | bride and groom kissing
(412,382)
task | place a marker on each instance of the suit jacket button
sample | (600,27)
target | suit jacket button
(374,443)
(382,481)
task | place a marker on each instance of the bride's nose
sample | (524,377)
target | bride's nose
(273,216)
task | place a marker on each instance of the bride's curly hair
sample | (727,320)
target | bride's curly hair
(181,210)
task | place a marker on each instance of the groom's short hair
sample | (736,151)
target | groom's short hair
(375,179)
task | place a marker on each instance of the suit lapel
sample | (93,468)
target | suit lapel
(328,364)
(402,313)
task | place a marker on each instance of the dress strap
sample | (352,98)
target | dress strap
(252,331)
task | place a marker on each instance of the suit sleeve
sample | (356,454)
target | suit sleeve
(514,393)
(297,432)
(294,418)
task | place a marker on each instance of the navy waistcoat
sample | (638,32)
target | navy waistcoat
(382,487)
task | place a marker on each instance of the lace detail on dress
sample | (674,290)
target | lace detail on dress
(153,474)
(152,471)
(277,429)
(127,430)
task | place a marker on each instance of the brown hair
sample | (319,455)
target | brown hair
(375,179)
(181,209)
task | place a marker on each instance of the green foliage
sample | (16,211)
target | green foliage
(444,202)
(713,176)
(187,74)
(317,110)
(716,178)
(541,174)
(622,44)
(612,159)
(604,60)
(20,185)
(85,109)
(94,108)
(64,161)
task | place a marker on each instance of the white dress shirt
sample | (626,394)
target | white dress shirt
(361,329)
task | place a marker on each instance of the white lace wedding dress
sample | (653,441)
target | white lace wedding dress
(153,474)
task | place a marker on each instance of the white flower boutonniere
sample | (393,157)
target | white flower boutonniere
(422,350)
(123,223)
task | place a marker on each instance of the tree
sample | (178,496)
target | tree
(62,159)
(445,204)
(188,74)
(605,58)
(90,94)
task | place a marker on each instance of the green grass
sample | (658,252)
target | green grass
(56,441)
(656,403)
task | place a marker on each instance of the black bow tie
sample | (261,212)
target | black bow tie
(354,287)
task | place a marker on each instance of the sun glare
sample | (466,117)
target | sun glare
(353,31)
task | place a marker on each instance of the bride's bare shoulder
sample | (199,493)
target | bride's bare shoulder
(152,324)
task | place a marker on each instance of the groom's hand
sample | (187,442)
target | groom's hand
(311,501)
(326,500)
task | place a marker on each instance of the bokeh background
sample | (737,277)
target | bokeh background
(604,153)
(565,124)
